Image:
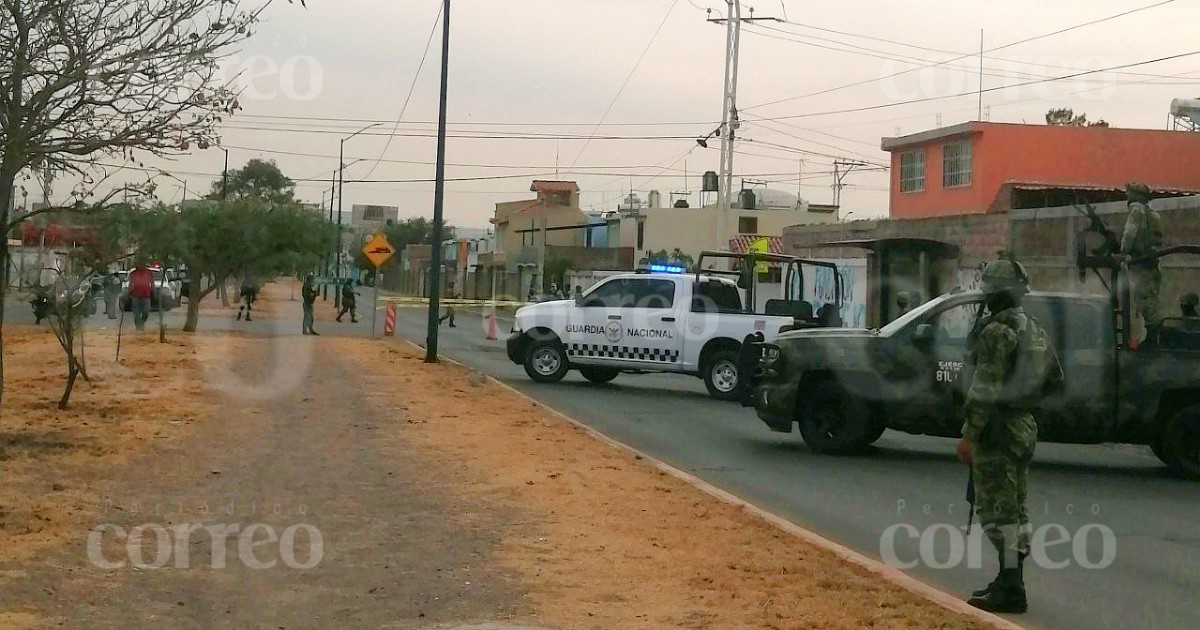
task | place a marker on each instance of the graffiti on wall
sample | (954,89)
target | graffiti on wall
(820,289)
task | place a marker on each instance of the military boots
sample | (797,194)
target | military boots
(1006,594)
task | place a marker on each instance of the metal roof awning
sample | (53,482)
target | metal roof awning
(930,245)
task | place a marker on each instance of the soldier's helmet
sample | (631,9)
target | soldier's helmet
(902,298)
(1137,191)
(1004,275)
(1189,300)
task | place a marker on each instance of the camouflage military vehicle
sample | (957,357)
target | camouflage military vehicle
(844,387)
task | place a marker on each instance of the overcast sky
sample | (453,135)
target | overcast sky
(553,67)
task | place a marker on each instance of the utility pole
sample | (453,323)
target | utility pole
(439,196)
(729,115)
(839,175)
(225,177)
(542,257)
(329,255)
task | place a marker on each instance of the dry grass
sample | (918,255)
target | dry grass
(51,460)
(611,542)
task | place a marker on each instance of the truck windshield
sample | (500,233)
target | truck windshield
(903,320)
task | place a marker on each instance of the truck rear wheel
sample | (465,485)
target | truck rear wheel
(1179,443)
(545,361)
(836,422)
(721,375)
(598,374)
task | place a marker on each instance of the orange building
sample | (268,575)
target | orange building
(981,167)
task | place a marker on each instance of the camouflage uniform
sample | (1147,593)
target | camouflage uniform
(1142,238)
(1004,438)
(999,433)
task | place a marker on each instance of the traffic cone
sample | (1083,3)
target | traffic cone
(491,331)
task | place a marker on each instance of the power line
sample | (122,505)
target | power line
(357,122)
(411,88)
(465,136)
(625,83)
(964,56)
(922,62)
(422,163)
(944,51)
(991,89)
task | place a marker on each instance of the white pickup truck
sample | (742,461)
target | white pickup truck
(657,321)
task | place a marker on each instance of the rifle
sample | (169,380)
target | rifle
(971,499)
(1102,257)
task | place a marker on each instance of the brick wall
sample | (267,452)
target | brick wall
(1043,239)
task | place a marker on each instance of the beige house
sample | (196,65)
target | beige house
(693,230)
(523,227)
(519,224)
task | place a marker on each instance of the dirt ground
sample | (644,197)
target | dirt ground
(612,542)
(440,498)
(276,442)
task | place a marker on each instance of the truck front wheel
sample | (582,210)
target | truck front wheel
(1179,444)
(545,361)
(721,375)
(834,421)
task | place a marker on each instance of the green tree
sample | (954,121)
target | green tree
(1065,117)
(673,257)
(258,179)
(91,79)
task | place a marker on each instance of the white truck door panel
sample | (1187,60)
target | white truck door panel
(628,322)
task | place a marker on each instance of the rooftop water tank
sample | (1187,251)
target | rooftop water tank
(1186,108)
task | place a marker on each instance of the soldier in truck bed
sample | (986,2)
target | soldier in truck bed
(1139,243)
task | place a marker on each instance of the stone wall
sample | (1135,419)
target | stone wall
(1043,239)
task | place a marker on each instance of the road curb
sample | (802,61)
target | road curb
(888,573)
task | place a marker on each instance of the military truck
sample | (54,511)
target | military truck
(844,387)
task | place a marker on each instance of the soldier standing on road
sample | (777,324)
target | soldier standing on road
(308,297)
(999,433)
(1139,244)
(449,313)
(349,298)
(1187,305)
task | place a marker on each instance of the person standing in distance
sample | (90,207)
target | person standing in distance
(1139,244)
(308,297)
(1010,354)
(141,291)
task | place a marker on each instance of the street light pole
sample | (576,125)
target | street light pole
(329,256)
(439,196)
(337,299)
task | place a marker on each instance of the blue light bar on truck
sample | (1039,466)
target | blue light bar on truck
(667,269)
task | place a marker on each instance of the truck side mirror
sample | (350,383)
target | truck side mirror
(923,335)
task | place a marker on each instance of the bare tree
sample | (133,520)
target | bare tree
(87,79)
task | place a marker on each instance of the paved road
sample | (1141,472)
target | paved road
(1152,581)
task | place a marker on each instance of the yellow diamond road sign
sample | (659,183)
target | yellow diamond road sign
(378,250)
